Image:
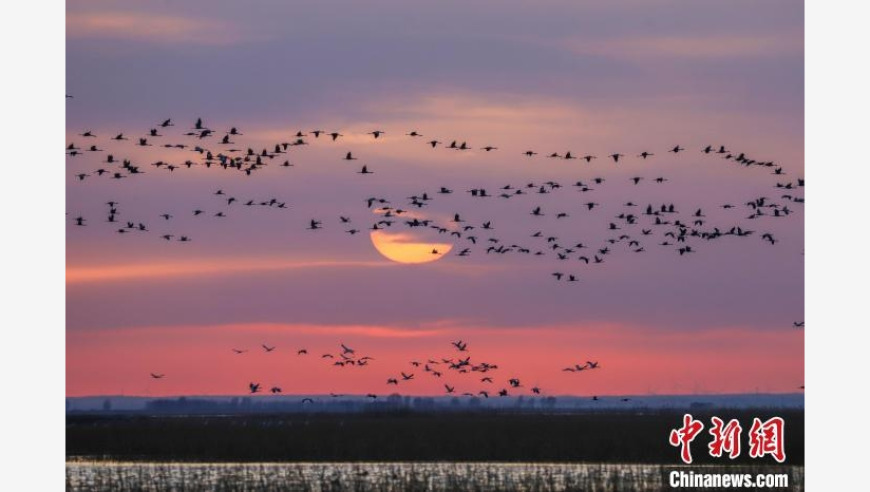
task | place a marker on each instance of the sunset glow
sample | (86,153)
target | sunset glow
(305,176)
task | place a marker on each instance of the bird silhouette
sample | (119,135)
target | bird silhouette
(471,226)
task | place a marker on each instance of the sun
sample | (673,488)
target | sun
(405,248)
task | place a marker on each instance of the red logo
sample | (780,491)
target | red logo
(726,438)
(765,438)
(684,436)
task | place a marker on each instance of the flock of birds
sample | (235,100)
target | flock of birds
(436,367)
(635,229)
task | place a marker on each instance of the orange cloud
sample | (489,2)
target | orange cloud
(365,331)
(153,28)
(689,47)
(216,266)
(485,119)
(232,266)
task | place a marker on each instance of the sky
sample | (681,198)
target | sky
(596,78)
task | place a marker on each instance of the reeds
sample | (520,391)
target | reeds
(383,477)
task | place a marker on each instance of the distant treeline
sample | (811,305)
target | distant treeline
(243,405)
(628,436)
(395,402)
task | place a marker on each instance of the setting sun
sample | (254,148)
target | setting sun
(405,248)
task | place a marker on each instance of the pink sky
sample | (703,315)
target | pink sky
(598,78)
(633,361)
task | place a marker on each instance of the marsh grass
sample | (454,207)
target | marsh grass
(380,477)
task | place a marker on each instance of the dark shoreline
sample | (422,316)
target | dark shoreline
(630,436)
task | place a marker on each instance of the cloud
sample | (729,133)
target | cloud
(150,28)
(479,109)
(446,112)
(689,47)
(216,266)
(364,331)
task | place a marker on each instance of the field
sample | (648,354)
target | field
(590,437)
(400,451)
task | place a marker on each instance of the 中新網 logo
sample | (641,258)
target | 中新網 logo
(765,438)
